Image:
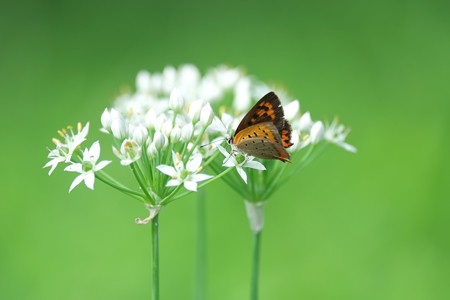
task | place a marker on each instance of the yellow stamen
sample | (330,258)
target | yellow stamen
(62,133)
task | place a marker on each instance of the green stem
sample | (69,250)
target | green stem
(155,258)
(120,188)
(255,265)
(200,272)
(137,174)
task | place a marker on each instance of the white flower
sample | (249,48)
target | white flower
(291,109)
(242,95)
(194,110)
(64,151)
(305,122)
(140,134)
(336,134)
(129,152)
(159,140)
(143,82)
(176,100)
(188,175)
(87,167)
(317,132)
(107,119)
(56,158)
(175,134)
(231,161)
(118,128)
(206,115)
(186,132)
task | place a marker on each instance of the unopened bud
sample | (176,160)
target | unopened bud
(206,115)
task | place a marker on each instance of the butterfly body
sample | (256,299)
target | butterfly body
(264,132)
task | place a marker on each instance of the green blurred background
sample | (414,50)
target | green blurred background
(375,225)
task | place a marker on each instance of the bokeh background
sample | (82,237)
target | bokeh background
(375,225)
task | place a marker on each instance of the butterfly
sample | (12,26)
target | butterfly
(264,132)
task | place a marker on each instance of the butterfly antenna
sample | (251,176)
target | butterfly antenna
(213,142)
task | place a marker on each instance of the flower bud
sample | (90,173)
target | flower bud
(206,115)
(106,120)
(150,118)
(305,122)
(194,110)
(152,151)
(118,129)
(140,134)
(175,134)
(186,132)
(159,140)
(176,100)
(143,82)
(160,121)
(317,132)
(166,127)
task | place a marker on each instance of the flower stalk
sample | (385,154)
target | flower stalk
(155,257)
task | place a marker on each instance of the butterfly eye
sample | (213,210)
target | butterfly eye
(229,141)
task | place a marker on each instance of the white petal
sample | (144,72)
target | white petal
(305,122)
(85,130)
(101,165)
(126,162)
(254,165)
(223,151)
(89,180)
(54,165)
(242,174)
(94,151)
(317,132)
(168,170)
(200,177)
(191,185)
(74,168)
(173,182)
(348,147)
(291,109)
(194,163)
(76,182)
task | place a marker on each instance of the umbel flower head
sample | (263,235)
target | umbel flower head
(171,131)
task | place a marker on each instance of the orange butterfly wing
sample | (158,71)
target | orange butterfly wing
(267,109)
(264,132)
(263,141)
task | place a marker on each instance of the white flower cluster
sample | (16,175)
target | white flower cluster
(84,163)
(167,131)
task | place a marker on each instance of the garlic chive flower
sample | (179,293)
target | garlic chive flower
(188,176)
(87,167)
(231,160)
(64,150)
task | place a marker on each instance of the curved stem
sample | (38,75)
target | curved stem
(155,258)
(255,265)
(121,188)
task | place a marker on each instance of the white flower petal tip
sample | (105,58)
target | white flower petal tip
(153,211)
